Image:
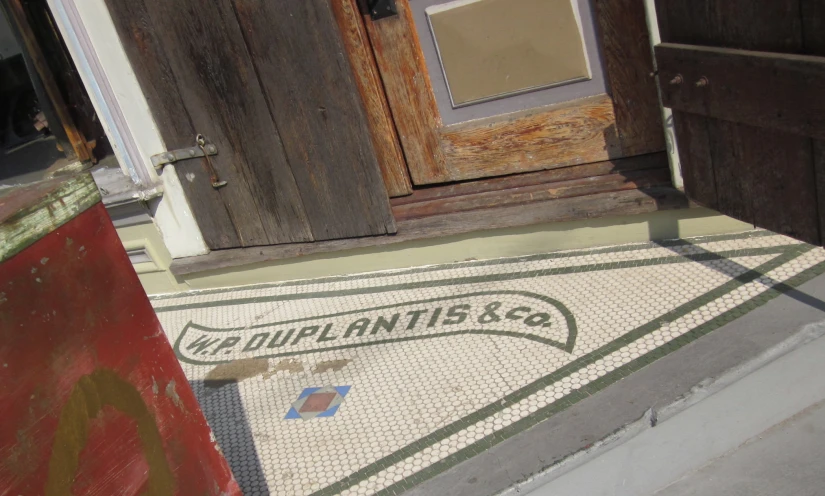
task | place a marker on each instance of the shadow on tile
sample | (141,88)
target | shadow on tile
(226,415)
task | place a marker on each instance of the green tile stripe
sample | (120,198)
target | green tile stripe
(482,263)
(625,264)
(468,452)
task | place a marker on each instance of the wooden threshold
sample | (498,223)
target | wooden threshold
(624,187)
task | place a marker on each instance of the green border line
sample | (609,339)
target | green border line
(572,330)
(487,442)
(481,263)
(624,264)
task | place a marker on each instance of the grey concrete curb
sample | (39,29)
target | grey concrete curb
(651,418)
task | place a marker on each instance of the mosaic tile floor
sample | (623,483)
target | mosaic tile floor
(372,383)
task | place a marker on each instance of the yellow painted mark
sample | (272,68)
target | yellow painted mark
(90,394)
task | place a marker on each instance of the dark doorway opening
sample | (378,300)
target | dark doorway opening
(48,124)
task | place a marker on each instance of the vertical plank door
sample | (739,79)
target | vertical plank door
(745,80)
(274,90)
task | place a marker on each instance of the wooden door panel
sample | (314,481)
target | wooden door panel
(311,91)
(277,96)
(771,90)
(555,136)
(384,136)
(626,122)
(147,57)
(782,181)
(765,25)
(745,134)
(409,93)
(198,78)
(629,66)
(694,154)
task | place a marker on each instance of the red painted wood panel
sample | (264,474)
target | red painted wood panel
(94,401)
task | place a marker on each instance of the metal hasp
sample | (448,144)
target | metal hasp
(201,149)
(378,9)
(173,156)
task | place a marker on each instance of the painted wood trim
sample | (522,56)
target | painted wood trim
(629,67)
(409,92)
(31,212)
(577,132)
(560,210)
(384,137)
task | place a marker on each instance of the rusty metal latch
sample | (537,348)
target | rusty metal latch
(201,149)
(378,9)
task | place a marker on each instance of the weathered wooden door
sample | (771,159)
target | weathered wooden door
(269,83)
(623,122)
(746,81)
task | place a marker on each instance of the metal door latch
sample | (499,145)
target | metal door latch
(173,156)
(378,9)
(201,149)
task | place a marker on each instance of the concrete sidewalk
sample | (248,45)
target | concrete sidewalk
(786,460)
(760,435)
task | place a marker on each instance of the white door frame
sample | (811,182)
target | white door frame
(125,117)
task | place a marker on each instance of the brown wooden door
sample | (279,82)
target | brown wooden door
(624,122)
(746,81)
(271,85)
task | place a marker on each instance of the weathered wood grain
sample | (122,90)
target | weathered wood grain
(650,161)
(384,137)
(81,148)
(765,25)
(758,163)
(576,132)
(539,192)
(224,99)
(770,90)
(813,28)
(311,92)
(409,92)
(818,152)
(30,212)
(562,210)
(727,142)
(812,13)
(147,53)
(694,155)
(783,182)
(629,64)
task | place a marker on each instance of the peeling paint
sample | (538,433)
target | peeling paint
(44,260)
(154,386)
(172,394)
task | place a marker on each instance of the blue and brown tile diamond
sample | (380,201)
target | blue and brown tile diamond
(318,402)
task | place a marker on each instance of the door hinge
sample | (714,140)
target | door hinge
(201,149)
(378,9)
